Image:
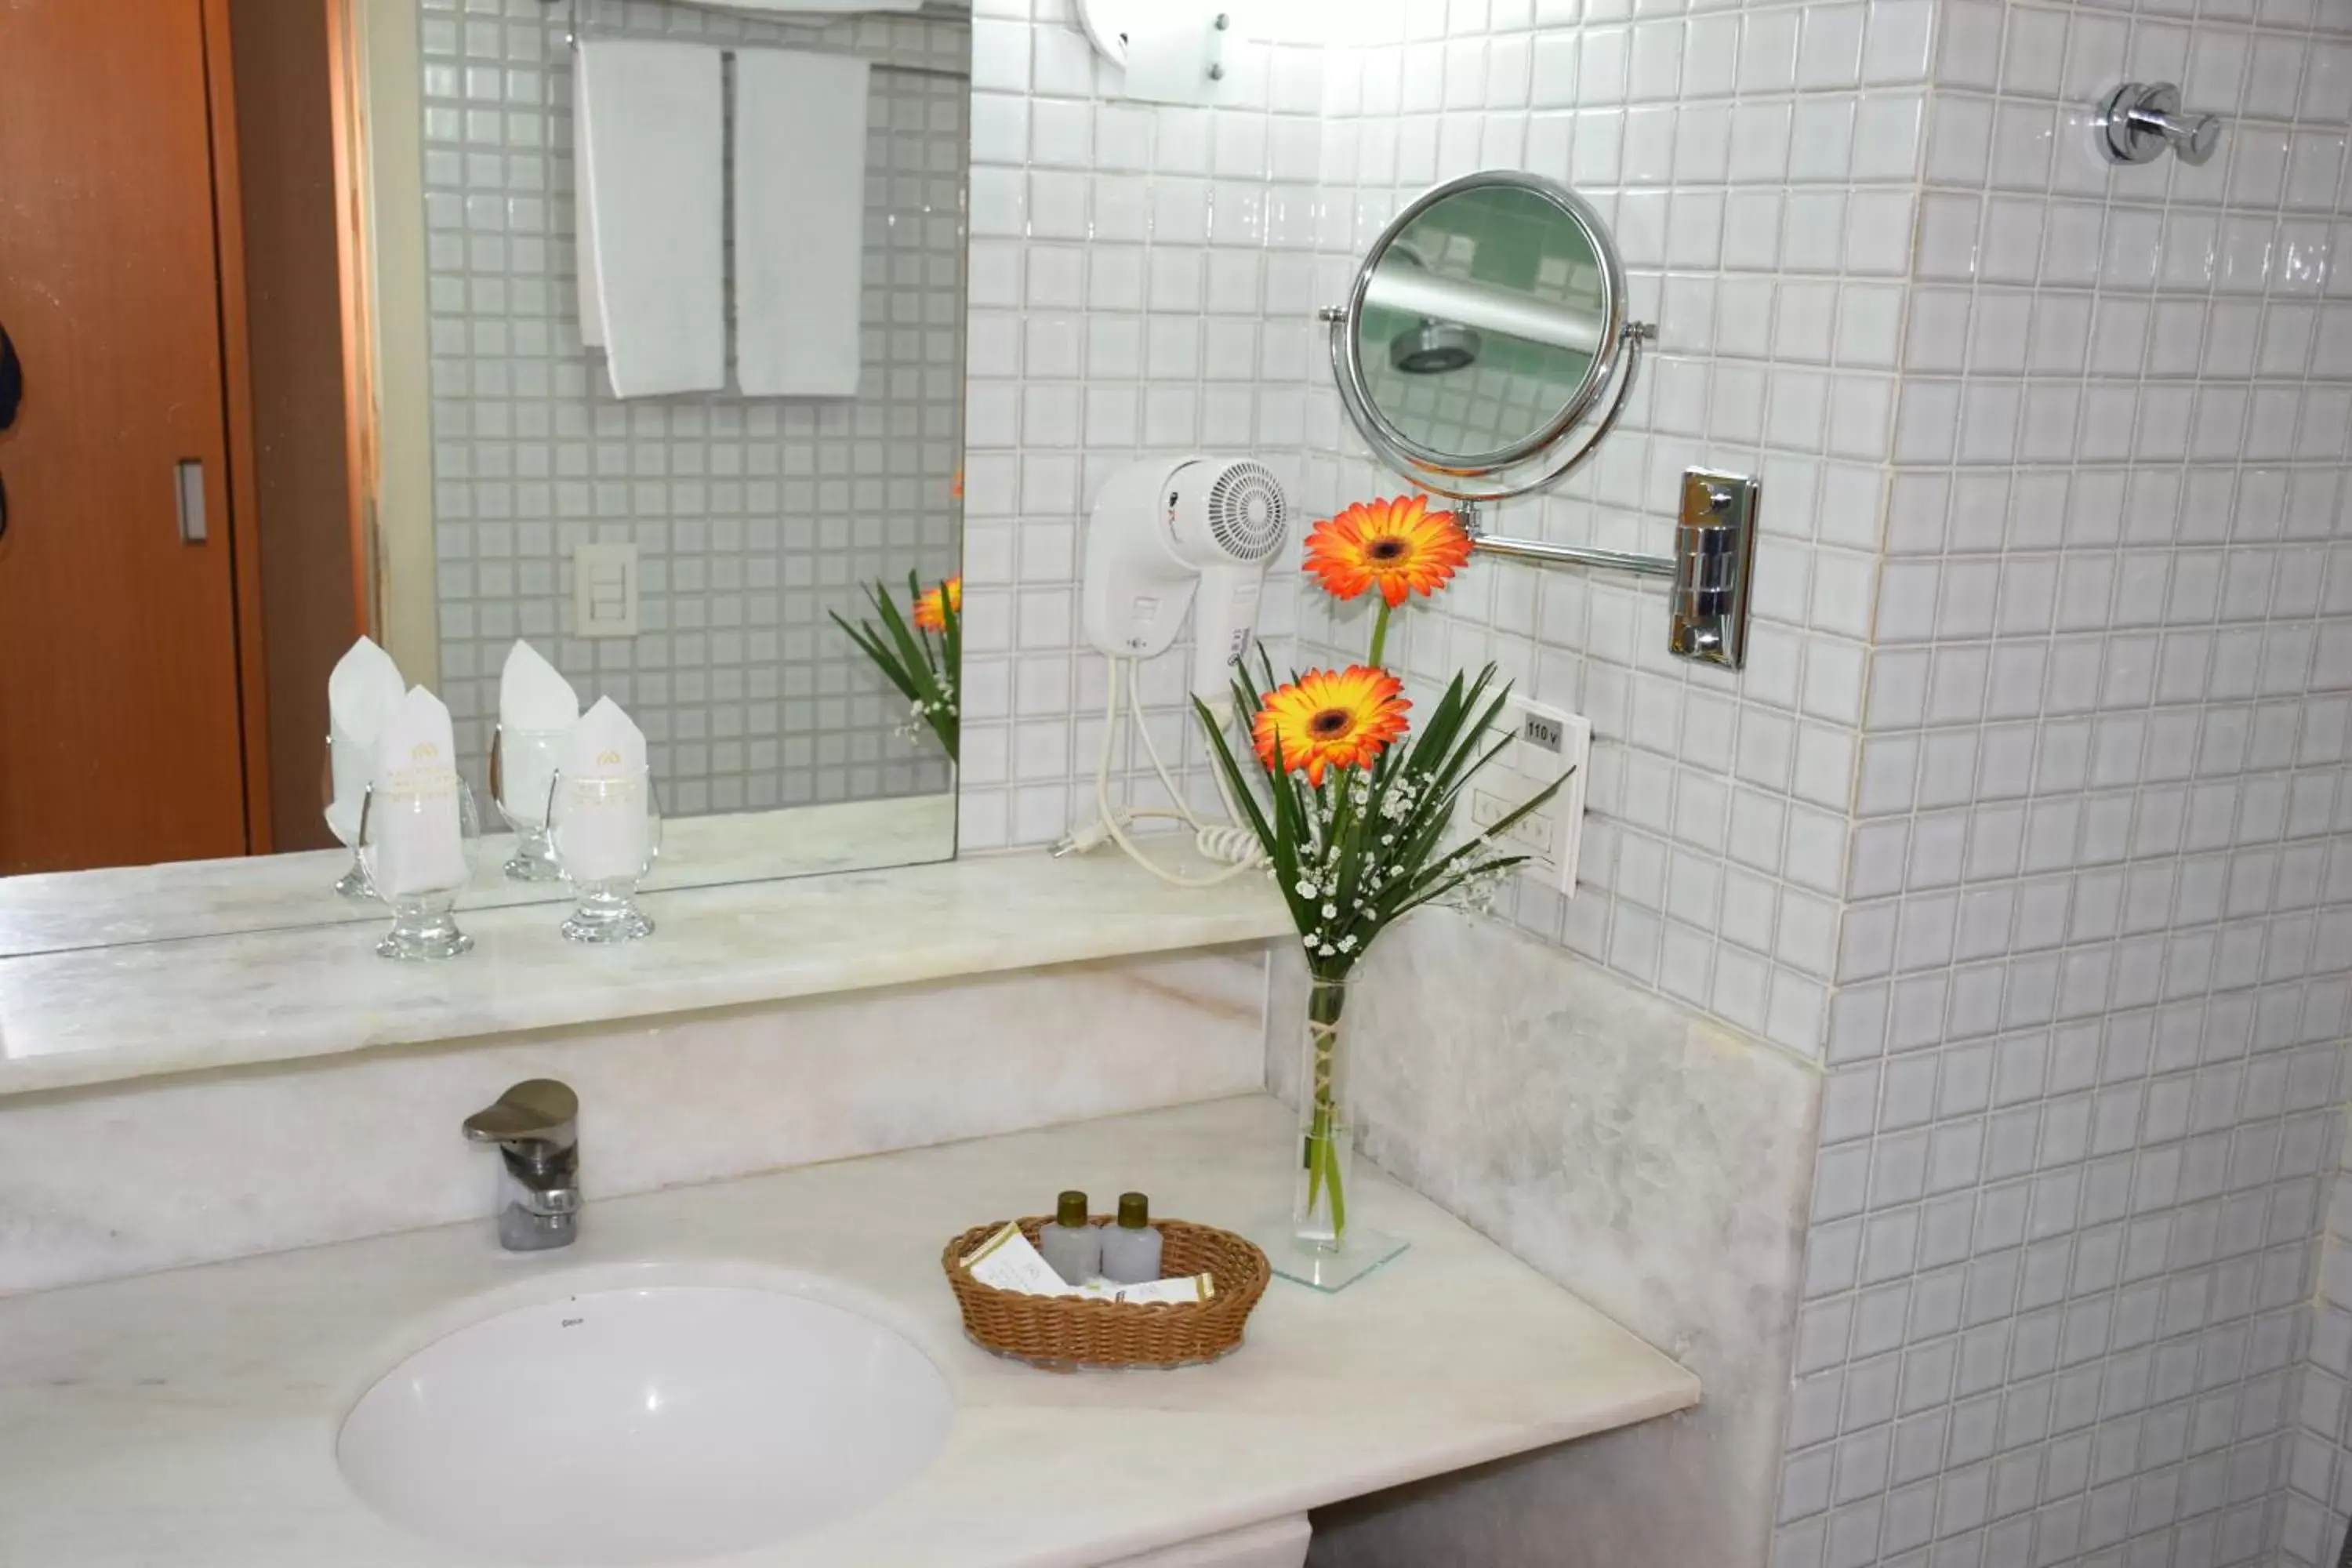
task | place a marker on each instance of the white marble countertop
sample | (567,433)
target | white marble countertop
(58,911)
(191,1417)
(110,1014)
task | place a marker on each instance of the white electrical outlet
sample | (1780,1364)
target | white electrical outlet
(1546,741)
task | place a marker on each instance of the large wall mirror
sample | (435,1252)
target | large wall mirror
(460,328)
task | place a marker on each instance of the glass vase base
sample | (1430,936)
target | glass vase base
(1318,1264)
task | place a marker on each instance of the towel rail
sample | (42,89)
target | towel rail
(951,73)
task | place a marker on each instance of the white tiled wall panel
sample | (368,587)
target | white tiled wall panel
(1141,284)
(1760,170)
(2084,1050)
(752,517)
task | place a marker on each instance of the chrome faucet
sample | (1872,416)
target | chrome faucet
(536,1125)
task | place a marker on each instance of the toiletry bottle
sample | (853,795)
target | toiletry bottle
(1130,1249)
(1071,1244)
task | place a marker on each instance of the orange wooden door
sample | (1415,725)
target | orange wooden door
(120,724)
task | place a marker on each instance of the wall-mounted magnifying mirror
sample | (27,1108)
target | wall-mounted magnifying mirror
(1484,346)
(1485,350)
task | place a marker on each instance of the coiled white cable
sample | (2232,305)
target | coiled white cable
(1233,846)
(1227,843)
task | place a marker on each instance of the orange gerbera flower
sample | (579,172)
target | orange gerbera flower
(1397,545)
(931,609)
(1331,718)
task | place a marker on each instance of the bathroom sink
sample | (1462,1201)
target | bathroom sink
(645,1426)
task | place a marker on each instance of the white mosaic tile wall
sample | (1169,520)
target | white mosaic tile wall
(1758,167)
(2022,816)
(2085,1059)
(752,517)
(1141,283)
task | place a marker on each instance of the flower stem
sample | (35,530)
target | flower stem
(1379,634)
(1324,1129)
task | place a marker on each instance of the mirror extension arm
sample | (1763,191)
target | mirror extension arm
(1715,555)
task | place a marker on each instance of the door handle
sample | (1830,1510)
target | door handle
(12,397)
(12,381)
(188,491)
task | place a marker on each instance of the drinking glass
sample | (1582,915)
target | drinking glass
(354,883)
(419,847)
(608,834)
(523,770)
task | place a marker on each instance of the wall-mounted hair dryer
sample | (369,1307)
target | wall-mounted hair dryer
(1168,535)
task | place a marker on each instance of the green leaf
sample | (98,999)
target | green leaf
(884,660)
(912,652)
(906,660)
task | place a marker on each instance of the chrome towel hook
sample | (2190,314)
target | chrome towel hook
(2139,119)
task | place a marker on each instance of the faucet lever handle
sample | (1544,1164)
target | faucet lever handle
(536,1110)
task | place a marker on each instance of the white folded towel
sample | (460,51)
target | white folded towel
(800,222)
(536,706)
(648,141)
(362,691)
(416,842)
(602,826)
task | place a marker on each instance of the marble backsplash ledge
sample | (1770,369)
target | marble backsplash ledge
(124,1179)
(1653,1162)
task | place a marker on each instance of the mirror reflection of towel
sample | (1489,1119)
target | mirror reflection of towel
(800,222)
(650,151)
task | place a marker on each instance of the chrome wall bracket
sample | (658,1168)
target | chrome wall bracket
(1714,558)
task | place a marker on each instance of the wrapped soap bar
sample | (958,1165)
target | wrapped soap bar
(1196,1288)
(1008,1261)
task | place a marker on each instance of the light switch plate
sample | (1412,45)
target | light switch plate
(1546,741)
(604,591)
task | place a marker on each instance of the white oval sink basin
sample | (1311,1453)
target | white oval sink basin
(645,1426)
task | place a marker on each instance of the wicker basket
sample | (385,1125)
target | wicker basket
(1063,1333)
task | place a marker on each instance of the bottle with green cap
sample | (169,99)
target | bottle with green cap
(1071,1243)
(1130,1249)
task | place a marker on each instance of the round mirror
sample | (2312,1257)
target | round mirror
(1484,326)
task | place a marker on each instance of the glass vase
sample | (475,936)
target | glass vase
(1324,1242)
(1327,1135)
